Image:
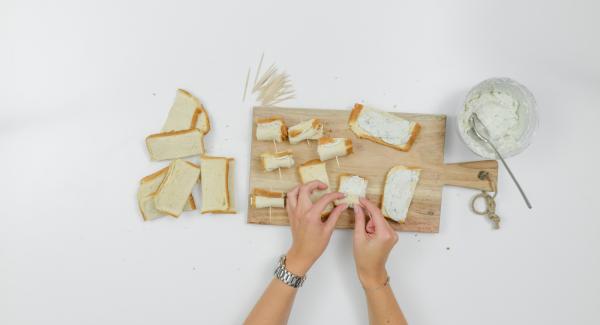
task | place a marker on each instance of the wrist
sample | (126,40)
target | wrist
(373,279)
(296,263)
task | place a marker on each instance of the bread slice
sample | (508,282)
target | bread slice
(398,192)
(354,187)
(316,170)
(174,191)
(330,148)
(145,195)
(217,184)
(175,144)
(383,128)
(307,130)
(186,113)
(262,198)
(280,159)
(271,129)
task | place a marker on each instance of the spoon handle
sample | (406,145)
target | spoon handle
(511,176)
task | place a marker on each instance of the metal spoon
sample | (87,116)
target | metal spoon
(481,132)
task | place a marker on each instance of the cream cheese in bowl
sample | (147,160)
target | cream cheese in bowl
(507,109)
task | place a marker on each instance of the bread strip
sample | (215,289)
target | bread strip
(186,112)
(174,191)
(176,144)
(383,128)
(145,196)
(271,129)
(329,148)
(261,198)
(281,159)
(307,130)
(316,170)
(398,192)
(354,187)
(217,184)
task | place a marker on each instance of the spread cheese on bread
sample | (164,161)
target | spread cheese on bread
(217,184)
(145,195)
(354,187)
(330,148)
(175,189)
(273,161)
(316,170)
(262,198)
(383,127)
(175,144)
(399,188)
(271,129)
(186,113)
(307,130)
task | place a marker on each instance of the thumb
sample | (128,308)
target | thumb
(334,216)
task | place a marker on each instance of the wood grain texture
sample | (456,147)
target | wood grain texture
(371,161)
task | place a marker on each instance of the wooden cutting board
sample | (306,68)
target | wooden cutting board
(371,161)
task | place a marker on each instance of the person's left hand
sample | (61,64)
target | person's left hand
(310,234)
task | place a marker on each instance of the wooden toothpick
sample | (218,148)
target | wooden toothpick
(308,142)
(275,144)
(246,85)
(338,161)
(279,170)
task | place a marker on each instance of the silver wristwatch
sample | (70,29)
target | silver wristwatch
(286,276)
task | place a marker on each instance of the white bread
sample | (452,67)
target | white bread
(399,188)
(330,148)
(217,184)
(174,191)
(383,128)
(316,170)
(175,144)
(145,195)
(354,187)
(307,130)
(273,161)
(186,113)
(262,198)
(271,129)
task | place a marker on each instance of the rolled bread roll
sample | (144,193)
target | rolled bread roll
(330,148)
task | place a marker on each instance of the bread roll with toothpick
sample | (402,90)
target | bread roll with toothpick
(329,147)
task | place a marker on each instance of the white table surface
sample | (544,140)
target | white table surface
(83,83)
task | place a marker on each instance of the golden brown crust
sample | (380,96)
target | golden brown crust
(349,148)
(311,162)
(413,136)
(317,124)
(197,114)
(154,175)
(192,202)
(294,133)
(354,114)
(185,92)
(267,193)
(326,140)
(219,211)
(171,133)
(284,132)
(262,120)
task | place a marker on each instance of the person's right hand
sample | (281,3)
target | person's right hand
(373,242)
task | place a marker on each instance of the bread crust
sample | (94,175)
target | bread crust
(197,114)
(265,193)
(283,128)
(353,123)
(315,124)
(391,171)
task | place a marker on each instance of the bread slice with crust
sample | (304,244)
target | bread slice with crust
(306,130)
(186,113)
(316,170)
(398,192)
(175,144)
(280,159)
(145,195)
(354,187)
(217,184)
(175,189)
(330,148)
(383,128)
(271,129)
(261,198)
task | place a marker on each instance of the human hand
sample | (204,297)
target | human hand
(310,235)
(373,242)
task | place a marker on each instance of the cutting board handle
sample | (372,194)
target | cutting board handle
(465,174)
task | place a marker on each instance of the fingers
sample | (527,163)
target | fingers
(326,199)
(292,199)
(359,221)
(375,213)
(307,189)
(334,216)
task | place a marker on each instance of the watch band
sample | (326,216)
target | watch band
(287,277)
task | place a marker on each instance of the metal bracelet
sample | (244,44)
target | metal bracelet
(287,277)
